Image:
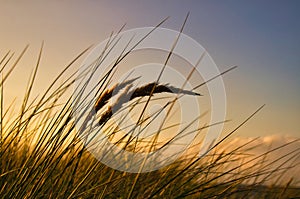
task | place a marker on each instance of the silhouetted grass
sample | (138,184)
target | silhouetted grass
(43,153)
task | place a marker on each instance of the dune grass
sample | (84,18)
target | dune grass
(43,155)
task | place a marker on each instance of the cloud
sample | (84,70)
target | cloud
(278,154)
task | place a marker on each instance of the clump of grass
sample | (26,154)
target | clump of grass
(44,156)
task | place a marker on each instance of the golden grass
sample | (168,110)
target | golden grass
(44,156)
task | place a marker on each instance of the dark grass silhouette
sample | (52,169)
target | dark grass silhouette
(127,96)
(44,156)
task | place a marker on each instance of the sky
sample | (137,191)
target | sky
(260,37)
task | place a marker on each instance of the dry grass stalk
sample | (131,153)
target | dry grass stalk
(129,95)
(107,94)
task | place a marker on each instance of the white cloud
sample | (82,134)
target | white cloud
(274,153)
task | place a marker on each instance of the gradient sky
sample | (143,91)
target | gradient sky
(261,37)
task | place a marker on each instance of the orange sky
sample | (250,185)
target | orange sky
(268,63)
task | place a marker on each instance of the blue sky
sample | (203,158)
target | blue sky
(261,37)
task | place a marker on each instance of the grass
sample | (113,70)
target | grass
(44,153)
